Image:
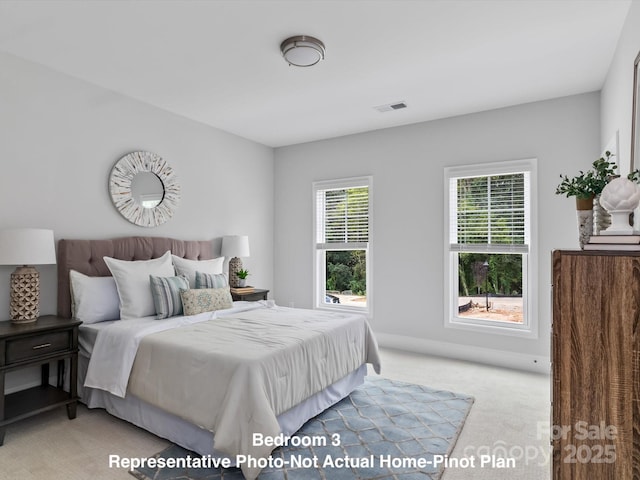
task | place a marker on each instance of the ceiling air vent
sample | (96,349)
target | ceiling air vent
(391,106)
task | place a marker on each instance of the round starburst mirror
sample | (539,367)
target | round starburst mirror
(144,189)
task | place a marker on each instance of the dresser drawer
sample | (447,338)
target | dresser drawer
(34,346)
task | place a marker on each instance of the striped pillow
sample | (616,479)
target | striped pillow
(166,295)
(211,280)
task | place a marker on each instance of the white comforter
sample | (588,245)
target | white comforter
(115,348)
(233,375)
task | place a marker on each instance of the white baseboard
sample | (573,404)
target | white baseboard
(489,356)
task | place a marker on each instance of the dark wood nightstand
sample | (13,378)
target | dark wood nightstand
(257,294)
(48,339)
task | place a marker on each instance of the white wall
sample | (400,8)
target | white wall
(617,92)
(60,137)
(408,254)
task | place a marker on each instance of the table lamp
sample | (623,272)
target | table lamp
(233,247)
(26,247)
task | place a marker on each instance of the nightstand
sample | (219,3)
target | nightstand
(257,294)
(48,339)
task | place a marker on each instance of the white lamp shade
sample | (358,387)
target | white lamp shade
(27,246)
(235,246)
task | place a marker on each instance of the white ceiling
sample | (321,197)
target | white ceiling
(218,62)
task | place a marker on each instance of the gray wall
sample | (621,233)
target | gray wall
(61,136)
(617,93)
(408,245)
(60,139)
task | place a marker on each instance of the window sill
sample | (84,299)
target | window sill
(492,328)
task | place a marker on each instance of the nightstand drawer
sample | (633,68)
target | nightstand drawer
(37,345)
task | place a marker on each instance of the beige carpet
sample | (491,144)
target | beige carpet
(510,406)
(511,411)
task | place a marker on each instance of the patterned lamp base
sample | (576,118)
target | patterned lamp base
(25,295)
(235,265)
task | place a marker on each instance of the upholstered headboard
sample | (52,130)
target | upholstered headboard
(85,256)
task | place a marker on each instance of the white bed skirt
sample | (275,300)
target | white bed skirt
(192,437)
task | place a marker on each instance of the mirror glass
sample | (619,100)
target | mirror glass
(147,189)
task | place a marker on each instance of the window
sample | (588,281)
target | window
(489,251)
(342,246)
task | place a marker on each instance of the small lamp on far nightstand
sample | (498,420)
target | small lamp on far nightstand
(25,247)
(233,247)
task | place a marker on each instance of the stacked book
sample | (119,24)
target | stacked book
(613,242)
(242,290)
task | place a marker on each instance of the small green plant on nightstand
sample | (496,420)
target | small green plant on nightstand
(242,277)
(242,274)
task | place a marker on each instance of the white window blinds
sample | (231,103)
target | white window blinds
(490,213)
(342,217)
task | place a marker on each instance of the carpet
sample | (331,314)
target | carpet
(388,430)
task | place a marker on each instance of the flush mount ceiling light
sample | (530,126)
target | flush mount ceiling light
(302,50)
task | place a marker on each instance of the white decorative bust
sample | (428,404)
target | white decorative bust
(620,197)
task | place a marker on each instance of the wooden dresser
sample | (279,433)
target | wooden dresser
(595,365)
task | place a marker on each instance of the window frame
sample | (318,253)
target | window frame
(319,252)
(529,327)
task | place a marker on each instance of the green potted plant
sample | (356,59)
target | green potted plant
(242,276)
(588,185)
(585,187)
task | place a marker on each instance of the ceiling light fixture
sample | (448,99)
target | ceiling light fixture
(302,50)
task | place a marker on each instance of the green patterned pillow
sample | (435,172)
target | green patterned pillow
(166,295)
(211,280)
(205,300)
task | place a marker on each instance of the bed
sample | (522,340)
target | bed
(253,368)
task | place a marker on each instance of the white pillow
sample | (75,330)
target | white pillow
(188,268)
(93,299)
(132,281)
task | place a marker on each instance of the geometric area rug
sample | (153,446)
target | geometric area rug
(388,430)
